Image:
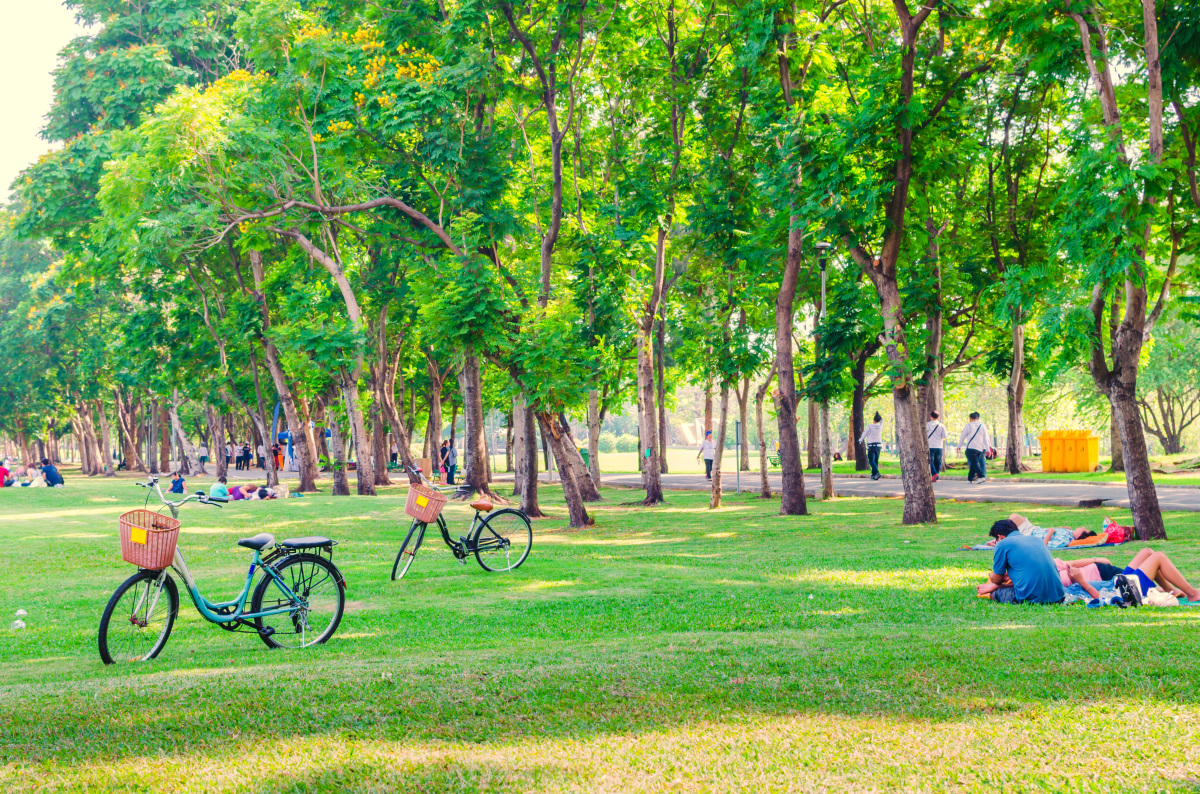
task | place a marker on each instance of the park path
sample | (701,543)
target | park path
(1066,494)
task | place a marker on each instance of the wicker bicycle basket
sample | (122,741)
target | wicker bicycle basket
(148,539)
(424,504)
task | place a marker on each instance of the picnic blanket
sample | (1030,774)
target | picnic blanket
(985,547)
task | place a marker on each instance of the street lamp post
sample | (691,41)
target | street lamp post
(826,452)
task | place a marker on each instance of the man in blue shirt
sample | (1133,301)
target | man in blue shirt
(50,472)
(1023,568)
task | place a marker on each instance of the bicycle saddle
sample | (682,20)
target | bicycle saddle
(482,505)
(263,540)
(309,542)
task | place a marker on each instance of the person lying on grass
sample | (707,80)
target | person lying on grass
(1148,568)
(1053,537)
(1023,572)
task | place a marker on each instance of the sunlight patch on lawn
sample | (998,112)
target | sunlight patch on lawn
(89,535)
(721,535)
(911,579)
(42,515)
(575,541)
(812,750)
(540,584)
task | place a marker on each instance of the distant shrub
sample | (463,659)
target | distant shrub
(627,444)
(607,442)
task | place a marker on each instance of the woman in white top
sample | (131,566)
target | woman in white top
(707,452)
(872,436)
(935,435)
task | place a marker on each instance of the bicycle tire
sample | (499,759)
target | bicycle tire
(118,644)
(507,542)
(308,575)
(404,560)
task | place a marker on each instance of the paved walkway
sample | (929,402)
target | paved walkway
(1067,494)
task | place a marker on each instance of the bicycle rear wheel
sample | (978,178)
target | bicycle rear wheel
(503,540)
(312,578)
(408,550)
(138,618)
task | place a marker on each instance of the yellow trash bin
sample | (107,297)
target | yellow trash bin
(1089,452)
(1052,450)
(1069,450)
(1070,458)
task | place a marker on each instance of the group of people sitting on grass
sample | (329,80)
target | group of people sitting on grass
(16,476)
(221,490)
(1024,572)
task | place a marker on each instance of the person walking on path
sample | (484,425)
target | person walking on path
(451,462)
(935,434)
(202,453)
(974,437)
(872,436)
(707,452)
(228,453)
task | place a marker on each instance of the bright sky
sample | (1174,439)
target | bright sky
(37,30)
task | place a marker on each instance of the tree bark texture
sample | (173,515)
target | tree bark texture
(341,485)
(648,420)
(759,398)
(1015,392)
(794,502)
(714,500)
(557,440)
(474,444)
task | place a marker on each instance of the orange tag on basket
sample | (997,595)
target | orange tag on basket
(422,501)
(137,535)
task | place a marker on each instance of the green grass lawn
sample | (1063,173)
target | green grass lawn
(668,649)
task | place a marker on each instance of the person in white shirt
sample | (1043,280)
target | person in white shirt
(228,453)
(202,453)
(976,440)
(872,436)
(262,457)
(707,452)
(935,435)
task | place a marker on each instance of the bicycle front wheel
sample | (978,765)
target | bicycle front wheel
(138,618)
(408,550)
(311,620)
(503,540)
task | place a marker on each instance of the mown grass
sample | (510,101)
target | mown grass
(672,648)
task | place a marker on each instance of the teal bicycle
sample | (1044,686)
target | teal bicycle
(298,602)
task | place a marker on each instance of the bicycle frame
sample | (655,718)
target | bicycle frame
(203,605)
(206,607)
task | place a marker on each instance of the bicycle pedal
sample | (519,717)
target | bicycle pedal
(266,631)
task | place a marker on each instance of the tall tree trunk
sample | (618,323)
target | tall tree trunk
(759,397)
(858,402)
(300,446)
(508,443)
(714,500)
(743,397)
(813,436)
(553,435)
(1015,393)
(365,479)
(433,427)
(216,422)
(827,491)
(587,487)
(525,440)
(593,423)
(794,502)
(920,504)
(105,440)
(185,443)
(341,484)
(164,440)
(154,417)
(659,369)
(648,420)
(1118,453)
(708,407)
(474,442)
